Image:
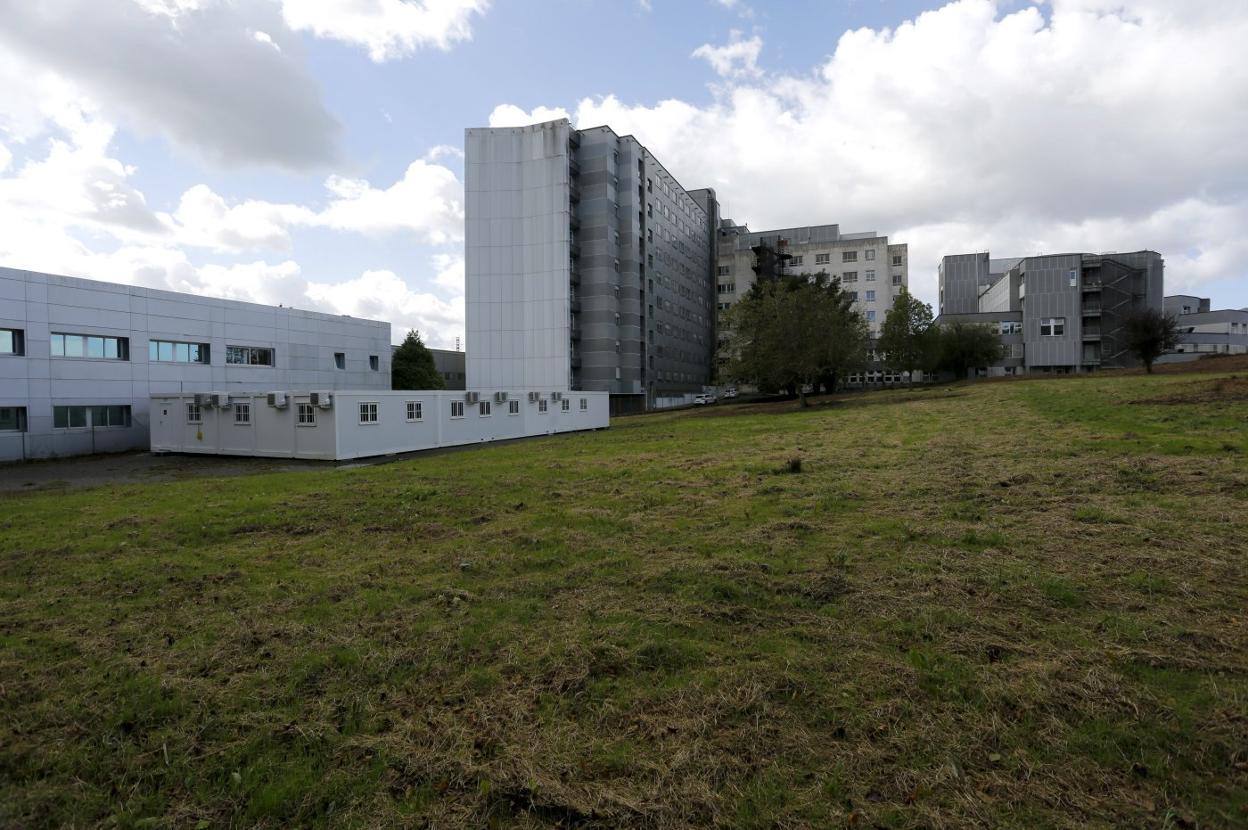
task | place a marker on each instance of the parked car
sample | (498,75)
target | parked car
(703,399)
(730,392)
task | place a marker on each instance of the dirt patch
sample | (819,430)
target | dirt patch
(1221,390)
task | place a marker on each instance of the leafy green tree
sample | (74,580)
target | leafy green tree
(966,346)
(1150,334)
(412,366)
(789,332)
(905,337)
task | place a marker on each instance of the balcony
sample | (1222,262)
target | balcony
(575,304)
(573,222)
(574,248)
(573,167)
(1091,310)
(574,274)
(576,360)
(576,335)
(574,192)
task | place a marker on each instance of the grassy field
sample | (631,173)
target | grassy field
(1016,604)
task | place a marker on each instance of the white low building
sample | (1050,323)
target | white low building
(80,359)
(332,426)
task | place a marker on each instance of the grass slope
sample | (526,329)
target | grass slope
(1006,604)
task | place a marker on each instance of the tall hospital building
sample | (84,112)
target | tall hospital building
(587,267)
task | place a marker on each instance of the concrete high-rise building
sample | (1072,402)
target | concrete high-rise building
(869,268)
(587,266)
(1055,313)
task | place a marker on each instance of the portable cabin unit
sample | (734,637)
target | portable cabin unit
(337,425)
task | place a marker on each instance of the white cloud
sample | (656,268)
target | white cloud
(509,115)
(194,71)
(386,28)
(737,58)
(384,295)
(970,127)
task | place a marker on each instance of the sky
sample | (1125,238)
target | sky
(309,152)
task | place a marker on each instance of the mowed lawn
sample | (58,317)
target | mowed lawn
(1007,604)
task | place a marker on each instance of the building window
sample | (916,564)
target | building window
(723,270)
(1073,276)
(565,405)
(870,254)
(541,405)
(870,296)
(248,356)
(12,341)
(870,276)
(484,409)
(513,407)
(1053,327)
(169,351)
(795,260)
(242,413)
(896,259)
(726,288)
(649,186)
(368,413)
(584,404)
(853,296)
(307,415)
(823,259)
(193,414)
(849,256)
(896,279)
(374,362)
(90,346)
(415,411)
(69,417)
(870,316)
(849,276)
(12,419)
(649,211)
(457,409)
(340,360)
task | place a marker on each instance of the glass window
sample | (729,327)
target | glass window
(307,415)
(797,260)
(1053,327)
(484,409)
(849,256)
(92,346)
(242,413)
(870,254)
(870,316)
(823,259)
(193,414)
(850,276)
(870,296)
(248,356)
(457,409)
(897,259)
(541,405)
(167,351)
(896,279)
(584,405)
(69,417)
(12,419)
(11,341)
(565,405)
(368,413)
(374,362)
(513,407)
(340,360)
(415,411)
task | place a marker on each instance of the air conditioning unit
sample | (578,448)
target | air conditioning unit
(322,399)
(277,400)
(534,397)
(472,397)
(556,396)
(221,400)
(500,397)
(203,400)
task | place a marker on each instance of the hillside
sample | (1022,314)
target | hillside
(1014,604)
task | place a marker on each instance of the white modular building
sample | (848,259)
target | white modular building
(80,359)
(339,425)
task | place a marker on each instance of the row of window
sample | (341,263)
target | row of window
(13,418)
(99,347)
(305,413)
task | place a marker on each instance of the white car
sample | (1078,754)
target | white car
(731,392)
(703,400)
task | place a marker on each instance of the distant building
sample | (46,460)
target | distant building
(1057,313)
(80,359)
(1208,331)
(587,266)
(868,267)
(451,365)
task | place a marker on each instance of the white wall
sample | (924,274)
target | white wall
(339,434)
(516,250)
(304,344)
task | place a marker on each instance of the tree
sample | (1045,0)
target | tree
(788,332)
(1149,334)
(412,367)
(966,346)
(904,336)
